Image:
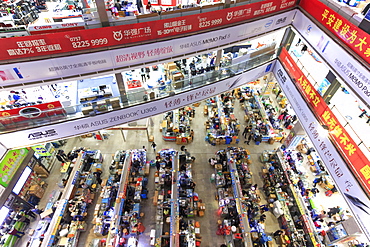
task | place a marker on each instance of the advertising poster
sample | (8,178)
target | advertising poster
(9,165)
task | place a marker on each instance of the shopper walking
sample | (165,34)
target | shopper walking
(60,158)
(249,139)
(158,165)
(245,132)
(154,146)
(278,233)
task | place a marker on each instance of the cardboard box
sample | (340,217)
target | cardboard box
(201,213)
(151,138)
(272,196)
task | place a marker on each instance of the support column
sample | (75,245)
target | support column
(287,39)
(218,59)
(121,88)
(103,16)
(227,4)
(332,89)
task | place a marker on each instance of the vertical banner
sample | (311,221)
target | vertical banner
(9,165)
(357,161)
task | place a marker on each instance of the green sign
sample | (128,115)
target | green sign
(41,150)
(9,165)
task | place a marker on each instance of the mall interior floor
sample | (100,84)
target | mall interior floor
(200,149)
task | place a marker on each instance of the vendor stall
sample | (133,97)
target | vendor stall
(222,126)
(176,125)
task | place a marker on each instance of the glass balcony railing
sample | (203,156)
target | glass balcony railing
(31,116)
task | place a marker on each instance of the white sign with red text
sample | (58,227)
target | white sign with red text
(93,62)
(56,25)
(130,114)
(344,179)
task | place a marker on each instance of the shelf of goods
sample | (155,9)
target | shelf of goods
(188,206)
(176,125)
(125,208)
(287,197)
(61,205)
(165,198)
(231,172)
(78,195)
(221,128)
(273,133)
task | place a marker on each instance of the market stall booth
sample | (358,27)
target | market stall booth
(176,125)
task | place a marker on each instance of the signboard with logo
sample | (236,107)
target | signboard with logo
(56,27)
(355,75)
(355,38)
(45,110)
(357,161)
(49,44)
(9,165)
(103,121)
(347,183)
(40,150)
(78,65)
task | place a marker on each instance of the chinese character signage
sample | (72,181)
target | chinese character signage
(48,44)
(355,38)
(357,160)
(9,165)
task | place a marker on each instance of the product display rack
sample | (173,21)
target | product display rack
(113,235)
(50,235)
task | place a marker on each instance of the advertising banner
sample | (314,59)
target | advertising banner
(357,161)
(86,125)
(356,76)
(49,44)
(9,165)
(26,113)
(355,38)
(56,27)
(343,177)
(21,73)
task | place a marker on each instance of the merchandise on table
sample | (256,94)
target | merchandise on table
(232,178)
(176,125)
(222,126)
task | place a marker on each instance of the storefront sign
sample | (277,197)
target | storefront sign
(49,44)
(347,183)
(26,113)
(56,27)
(9,165)
(355,38)
(41,150)
(56,68)
(114,118)
(358,162)
(356,76)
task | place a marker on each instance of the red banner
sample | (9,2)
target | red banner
(357,161)
(356,39)
(48,44)
(28,113)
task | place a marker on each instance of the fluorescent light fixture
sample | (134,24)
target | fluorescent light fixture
(22,180)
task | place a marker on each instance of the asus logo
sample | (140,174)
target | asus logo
(42,134)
